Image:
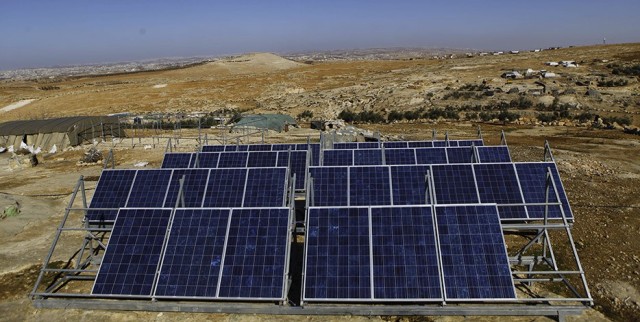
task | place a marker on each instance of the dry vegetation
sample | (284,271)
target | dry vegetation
(599,167)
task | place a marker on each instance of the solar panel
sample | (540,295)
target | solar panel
(131,259)
(149,189)
(454,184)
(330,186)
(477,142)
(266,187)
(440,144)
(260,147)
(396,145)
(409,185)
(262,159)
(225,188)
(231,148)
(337,157)
(493,154)
(367,157)
(338,262)
(192,190)
(431,156)
(297,163)
(532,177)
(452,143)
(348,145)
(205,160)
(176,160)
(111,192)
(283,147)
(460,155)
(255,257)
(474,257)
(369,145)
(193,256)
(497,183)
(369,186)
(213,148)
(420,144)
(233,160)
(399,156)
(405,260)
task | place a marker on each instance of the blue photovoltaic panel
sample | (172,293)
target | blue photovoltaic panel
(420,144)
(348,145)
(473,252)
(256,255)
(233,160)
(399,156)
(330,186)
(369,145)
(367,157)
(213,148)
(497,183)
(337,158)
(452,143)
(149,189)
(176,160)
(493,154)
(265,187)
(260,147)
(193,256)
(262,159)
(396,145)
(283,147)
(409,185)
(369,186)
(231,148)
(337,257)
(440,144)
(225,188)
(405,260)
(130,262)
(431,156)
(315,154)
(533,180)
(297,163)
(111,192)
(460,155)
(205,160)
(454,184)
(470,142)
(195,181)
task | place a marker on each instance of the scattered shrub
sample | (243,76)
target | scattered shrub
(306,114)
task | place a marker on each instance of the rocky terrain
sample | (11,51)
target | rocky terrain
(589,114)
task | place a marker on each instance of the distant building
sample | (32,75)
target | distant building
(514,52)
(551,63)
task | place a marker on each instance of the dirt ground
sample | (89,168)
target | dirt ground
(599,168)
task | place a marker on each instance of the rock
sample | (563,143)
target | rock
(593,93)
(617,126)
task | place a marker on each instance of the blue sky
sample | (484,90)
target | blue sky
(64,32)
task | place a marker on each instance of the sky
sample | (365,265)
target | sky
(73,32)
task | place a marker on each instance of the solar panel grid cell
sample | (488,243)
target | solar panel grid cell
(409,185)
(225,188)
(176,160)
(111,192)
(330,186)
(193,256)
(533,180)
(338,262)
(454,184)
(233,160)
(367,157)
(149,189)
(405,261)
(255,257)
(369,186)
(399,156)
(474,259)
(132,256)
(265,187)
(193,188)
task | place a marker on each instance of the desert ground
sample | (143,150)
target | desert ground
(598,162)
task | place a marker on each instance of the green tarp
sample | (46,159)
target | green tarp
(275,122)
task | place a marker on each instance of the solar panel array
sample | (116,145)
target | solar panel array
(295,160)
(416,221)
(234,187)
(519,189)
(415,156)
(198,253)
(392,254)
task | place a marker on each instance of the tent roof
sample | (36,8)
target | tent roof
(274,122)
(63,124)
